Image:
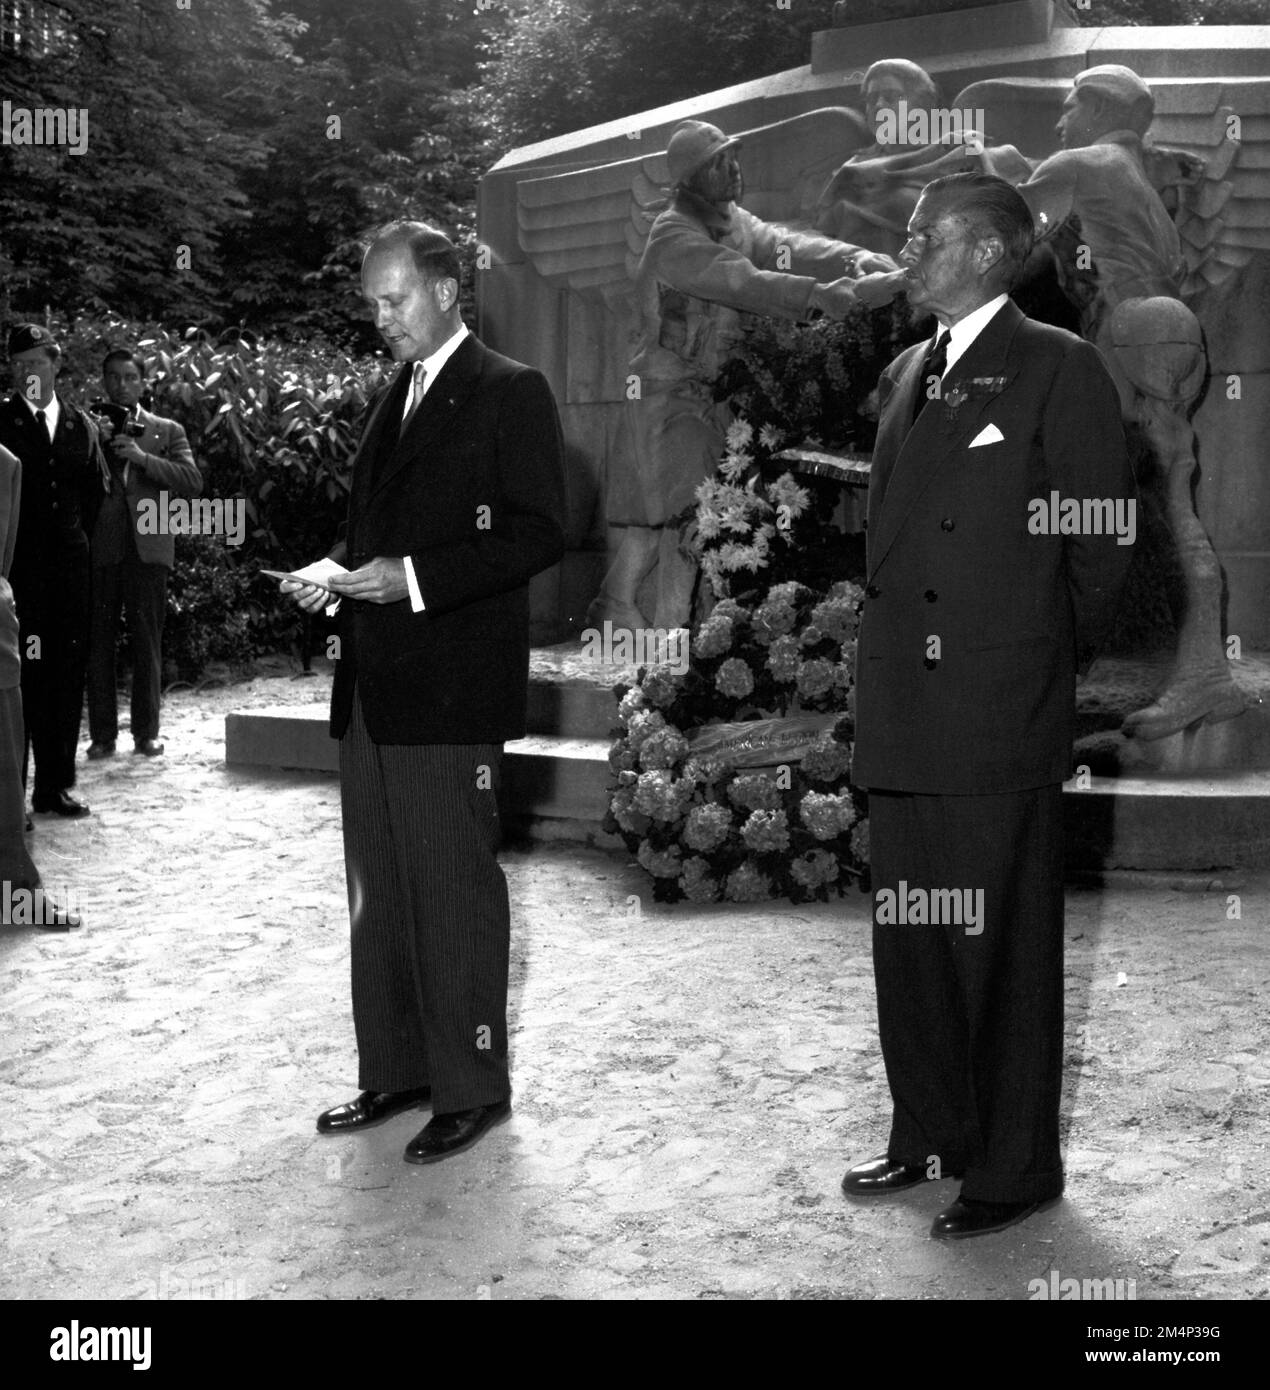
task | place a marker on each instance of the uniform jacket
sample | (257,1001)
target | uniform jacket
(703,267)
(474,493)
(169,468)
(989,705)
(63,485)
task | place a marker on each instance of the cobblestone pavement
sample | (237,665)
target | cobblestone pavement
(690,1082)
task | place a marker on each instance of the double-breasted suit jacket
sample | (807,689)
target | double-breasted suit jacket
(473,493)
(974,625)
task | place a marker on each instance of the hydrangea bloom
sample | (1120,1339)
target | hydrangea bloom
(773,618)
(698,883)
(755,792)
(661,796)
(815,678)
(827,759)
(814,868)
(707,827)
(734,678)
(715,636)
(783,659)
(747,885)
(663,748)
(827,814)
(766,830)
(661,863)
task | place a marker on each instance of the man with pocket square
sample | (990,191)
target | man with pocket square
(979,615)
(456,502)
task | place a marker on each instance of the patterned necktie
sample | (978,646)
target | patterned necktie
(936,364)
(418,384)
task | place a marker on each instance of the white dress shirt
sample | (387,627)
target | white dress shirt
(966,330)
(52,412)
(431,365)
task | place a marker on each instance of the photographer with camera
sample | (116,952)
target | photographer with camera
(64,480)
(147,455)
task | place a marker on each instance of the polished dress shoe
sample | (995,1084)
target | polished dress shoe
(444,1135)
(150,747)
(371,1108)
(879,1177)
(59,804)
(969,1217)
(104,749)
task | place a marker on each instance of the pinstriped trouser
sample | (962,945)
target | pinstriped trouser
(429,916)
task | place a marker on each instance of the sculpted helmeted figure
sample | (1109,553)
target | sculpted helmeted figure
(707,262)
(1120,262)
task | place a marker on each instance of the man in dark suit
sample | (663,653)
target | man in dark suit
(130,563)
(64,478)
(1000,526)
(456,503)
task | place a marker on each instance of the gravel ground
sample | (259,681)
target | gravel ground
(690,1082)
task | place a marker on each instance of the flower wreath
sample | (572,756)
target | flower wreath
(705,826)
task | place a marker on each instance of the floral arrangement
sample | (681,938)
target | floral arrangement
(703,827)
(778,644)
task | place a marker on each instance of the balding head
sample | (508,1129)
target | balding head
(410,280)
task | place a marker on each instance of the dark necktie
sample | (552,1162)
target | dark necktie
(935,364)
(44,420)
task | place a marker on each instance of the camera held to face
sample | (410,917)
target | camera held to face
(116,420)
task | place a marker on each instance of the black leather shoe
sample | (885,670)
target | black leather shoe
(444,1135)
(150,747)
(371,1108)
(879,1177)
(104,749)
(968,1217)
(59,804)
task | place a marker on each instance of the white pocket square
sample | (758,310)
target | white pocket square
(988,435)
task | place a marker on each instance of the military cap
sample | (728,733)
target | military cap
(1120,84)
(692,144)
(25,336)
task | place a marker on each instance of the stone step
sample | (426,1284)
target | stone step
(555,787)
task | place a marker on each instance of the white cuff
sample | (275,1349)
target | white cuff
(416,598)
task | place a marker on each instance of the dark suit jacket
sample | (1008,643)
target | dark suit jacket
(63,484)
(169,468)
(474,494)
(950,557)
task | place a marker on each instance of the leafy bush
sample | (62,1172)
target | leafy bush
(273,423)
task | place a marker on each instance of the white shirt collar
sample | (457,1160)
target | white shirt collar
(52,411)
(966,330)
(433,363)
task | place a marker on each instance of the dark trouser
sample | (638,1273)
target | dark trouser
(971,1025)
(429,917)
(142,590)
(53,611)
(16,865)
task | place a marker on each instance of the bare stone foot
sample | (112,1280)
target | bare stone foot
(1190,700)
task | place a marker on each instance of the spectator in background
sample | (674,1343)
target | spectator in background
(147,455)
(65,478)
